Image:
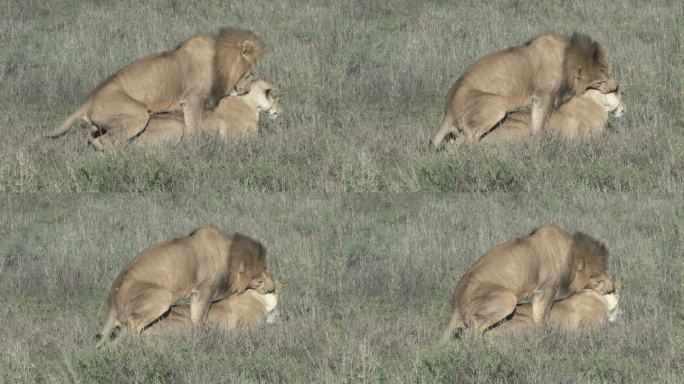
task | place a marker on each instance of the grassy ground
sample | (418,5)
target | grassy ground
(369,280)
(369,275)
(365,84)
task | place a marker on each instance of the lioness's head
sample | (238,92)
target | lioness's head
(267,98)
(247,263)
(235,59)
(613,102)
(612,299)
(590,258)
(585,66)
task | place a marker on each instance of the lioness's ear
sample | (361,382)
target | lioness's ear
(273,93)
(580,265)
(578,72)
(241,268)
(247,47)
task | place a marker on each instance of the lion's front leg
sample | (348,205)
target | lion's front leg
(199,305)
(193,114)
(542,103)
(541,304)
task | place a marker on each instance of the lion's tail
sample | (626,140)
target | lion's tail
(110,324)
(455,323)
(444,129)
(79,114)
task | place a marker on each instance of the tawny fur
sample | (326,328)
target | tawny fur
(583,116)
(546,71)
(234,117)
(546,264)
(205,265)
(200,71)
(585,309)
(229,314)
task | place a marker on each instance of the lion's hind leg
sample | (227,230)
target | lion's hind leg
(490,308)
(455,323)
(120,116)
(482,112)
(150,303)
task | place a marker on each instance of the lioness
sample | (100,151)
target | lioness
(582,116)
(548,70)
(235,116)
(198,73)
(546,264)
(580,310)
(233,312)
(205,265)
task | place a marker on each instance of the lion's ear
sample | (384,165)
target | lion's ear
(580,265)
(247,47)
(600,54)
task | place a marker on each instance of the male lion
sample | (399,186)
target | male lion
(251,307)
(198,73)
(585,309)
(546,264)
(548,70)
(205,265)
(235,116)
(582,116)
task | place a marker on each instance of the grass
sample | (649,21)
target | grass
(365,84)
(369,278)
(369,275)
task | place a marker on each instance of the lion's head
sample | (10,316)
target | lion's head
(585,66)
(590,258)
(237,52)
(248,263)
(265,284)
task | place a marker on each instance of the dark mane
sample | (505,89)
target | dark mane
(593,252)
(581,51)
(228,44)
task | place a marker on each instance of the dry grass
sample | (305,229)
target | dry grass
(369,280)
(369,275)
(365,84)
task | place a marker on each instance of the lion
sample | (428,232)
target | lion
(234,117)
(205,265)
(586,309)
(547,71)
(582,116)
(197,74)
(546,264)
(252,307)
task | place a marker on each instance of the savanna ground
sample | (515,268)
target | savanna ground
(364,82)
(369,275)
(369,278)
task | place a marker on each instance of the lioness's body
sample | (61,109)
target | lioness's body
(234,117)
(198,73)
(547,70)
(205,265)
(581,310)
(250,307)
(582,116)
(546,264)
